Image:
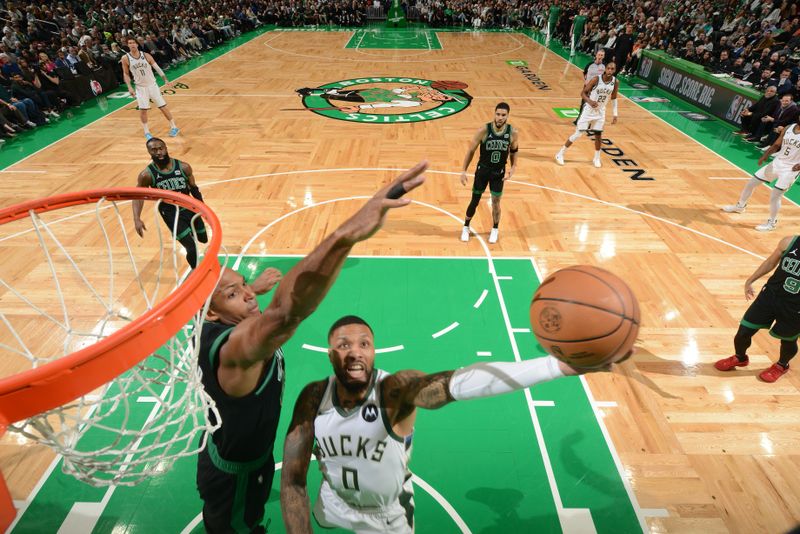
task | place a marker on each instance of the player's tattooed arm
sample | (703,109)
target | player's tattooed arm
(410,389)
(297,448)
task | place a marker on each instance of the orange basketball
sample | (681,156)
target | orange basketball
(448,85)
(585,316)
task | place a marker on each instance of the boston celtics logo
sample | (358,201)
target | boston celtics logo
(387,100)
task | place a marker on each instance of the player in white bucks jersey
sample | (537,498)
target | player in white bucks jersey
(140,65)
(596,94)
(242,363)
(783,169)
(359,424)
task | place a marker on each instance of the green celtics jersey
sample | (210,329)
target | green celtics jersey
(579,22)
(555,12)
(786,278)
(495,147)
(174,179)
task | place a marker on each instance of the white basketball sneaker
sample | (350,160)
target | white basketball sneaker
(767,226)
(560,158)
(465,234)
(596,162)
(493,235)
(734,208)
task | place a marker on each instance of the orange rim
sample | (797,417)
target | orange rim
(38,390)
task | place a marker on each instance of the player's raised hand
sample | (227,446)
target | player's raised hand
(265,281)
(371,216)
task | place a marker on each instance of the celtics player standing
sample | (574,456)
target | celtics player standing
(776,308)
(141,65)
(497,139)
(596,94)
(242,363)
(362,421)
(172,175)
(578,23)
(552,22)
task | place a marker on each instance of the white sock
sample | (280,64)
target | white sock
(748,190)
(596,154)
(172,123)
(146,128)
(775,202)
(563,149)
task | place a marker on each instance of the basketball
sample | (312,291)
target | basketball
(585,316)
(448,85)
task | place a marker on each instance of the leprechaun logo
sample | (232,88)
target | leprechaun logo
(387,100)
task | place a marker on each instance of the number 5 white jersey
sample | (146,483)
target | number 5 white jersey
(361,459)
(789,153)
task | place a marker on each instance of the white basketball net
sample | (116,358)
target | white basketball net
(87,275)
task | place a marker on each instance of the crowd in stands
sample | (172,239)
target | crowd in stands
(56,54)
(755,42)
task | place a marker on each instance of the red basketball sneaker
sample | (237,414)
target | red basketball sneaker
(773,373)
(726,364)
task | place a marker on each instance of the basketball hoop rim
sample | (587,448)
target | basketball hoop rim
(38,390)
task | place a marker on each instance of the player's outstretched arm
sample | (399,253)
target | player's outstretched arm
(614,101)
(297,449)
(306,284)
(473,146)
(767,266)
(406,390)
(143,180)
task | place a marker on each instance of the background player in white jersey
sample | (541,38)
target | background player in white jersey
(783,169)
(141,65)
(363,419)
(596,94)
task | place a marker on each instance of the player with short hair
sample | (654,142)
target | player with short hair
(141,65)
(497,141)
(362,422)
(171,174)
(784,169)
(242,363)
(596,94)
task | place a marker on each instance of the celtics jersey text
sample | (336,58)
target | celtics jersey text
(785,281)
(361,459)
(174,179)
(495,148)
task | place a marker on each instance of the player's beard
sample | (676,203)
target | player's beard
(351,385)
(161,161)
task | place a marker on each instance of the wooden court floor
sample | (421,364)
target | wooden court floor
(704,451)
